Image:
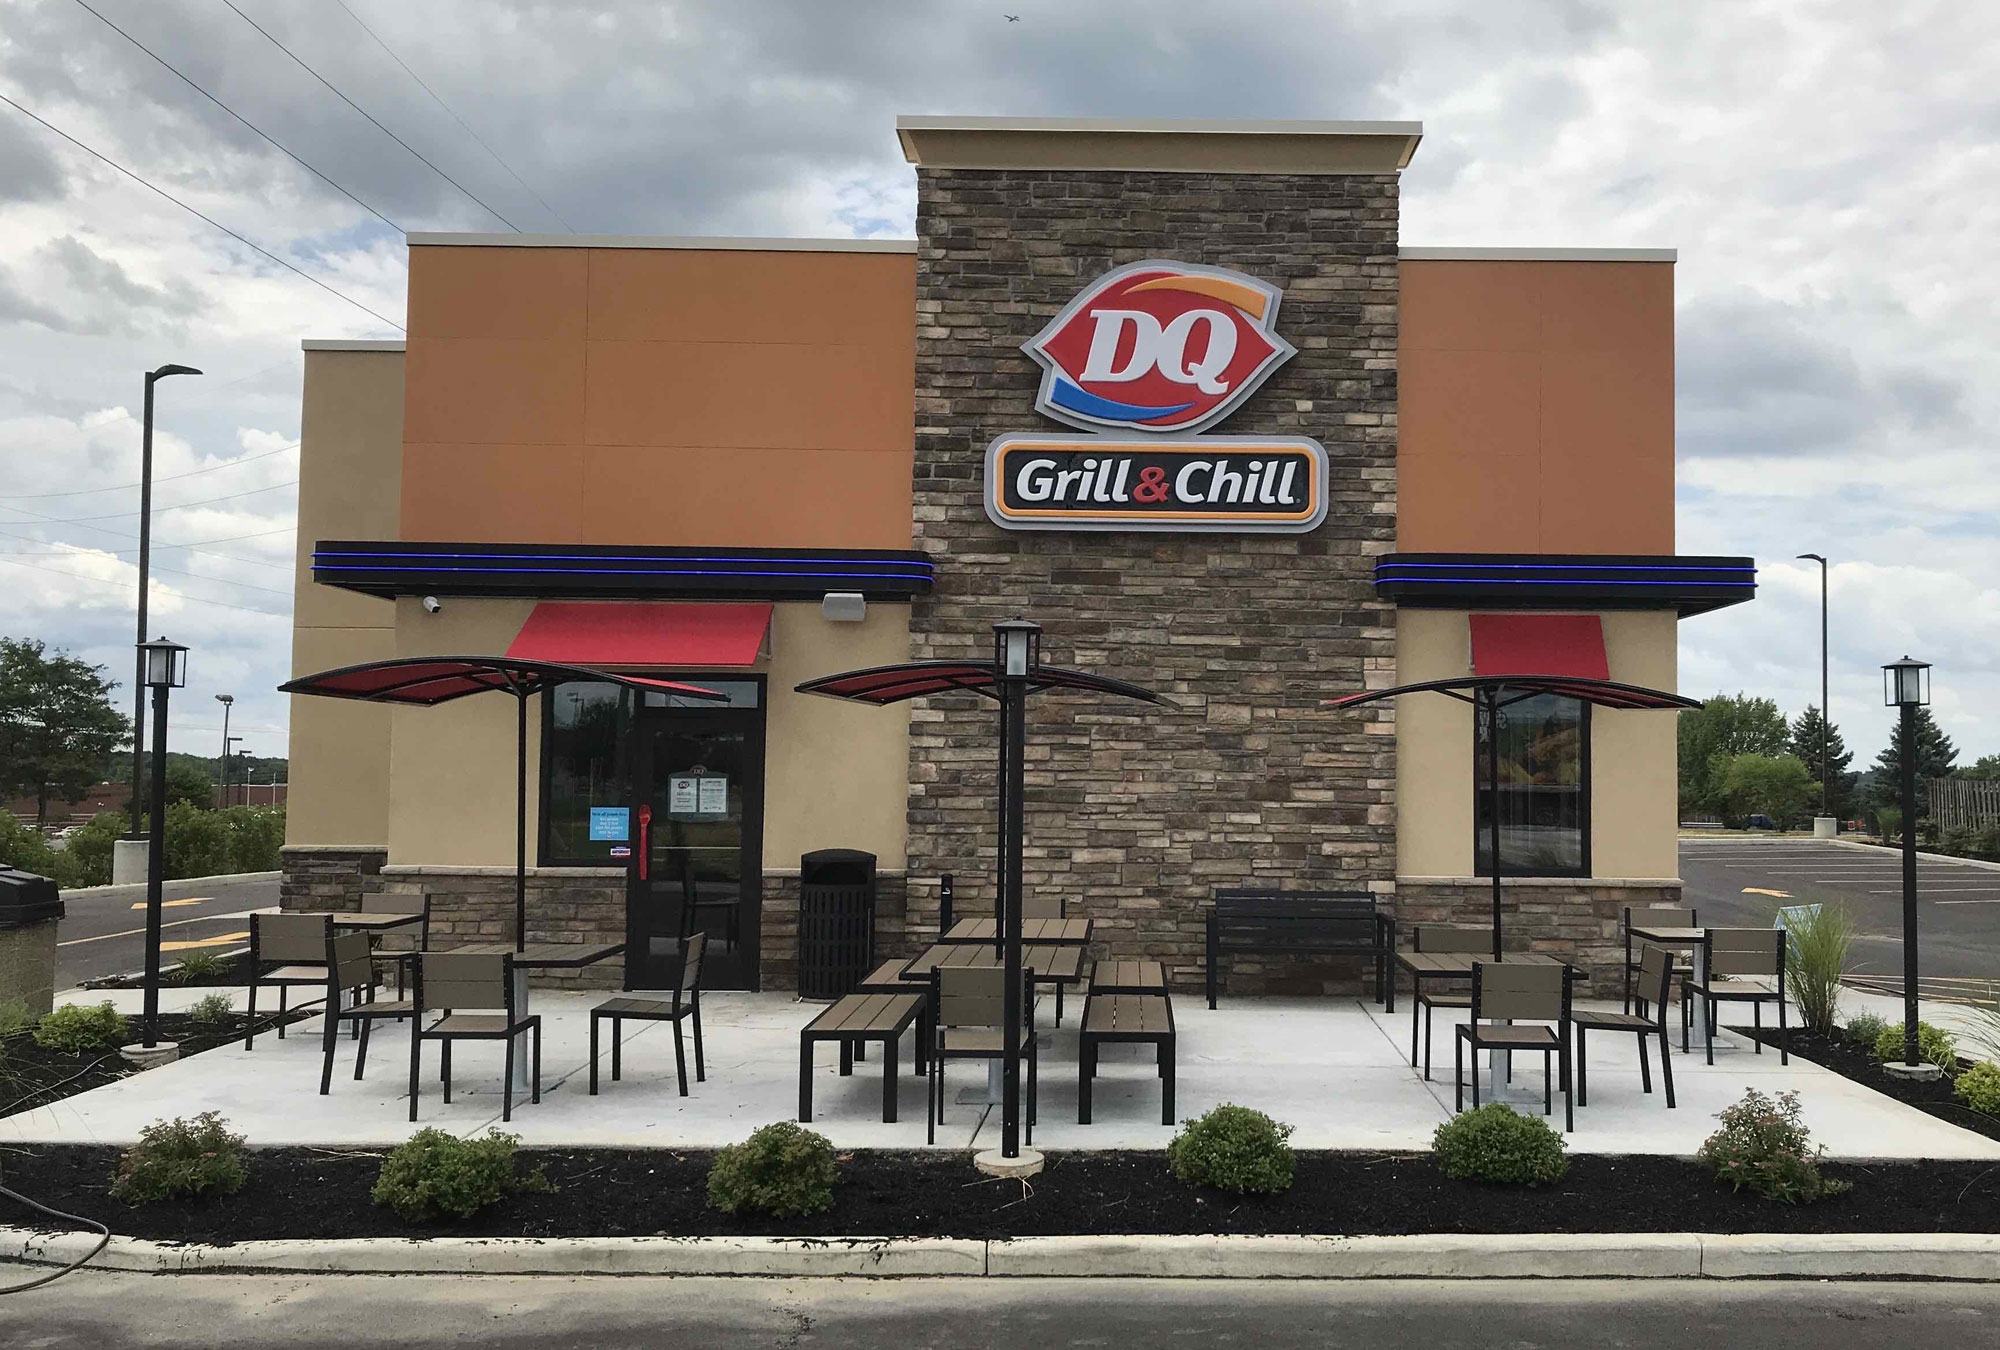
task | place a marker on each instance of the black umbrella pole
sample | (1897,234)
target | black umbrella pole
(1014,710)
(520,822)
(1493,802)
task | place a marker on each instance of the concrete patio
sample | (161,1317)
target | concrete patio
(1336,1069)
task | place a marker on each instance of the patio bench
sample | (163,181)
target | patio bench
(1144,1019)
(1323,923)
(852,1022)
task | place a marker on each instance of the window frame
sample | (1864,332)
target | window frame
(1584,805)
(621,772)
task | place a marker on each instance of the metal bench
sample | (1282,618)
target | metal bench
(1129,1018)
(852,1022)
(1128,977)
(1324,923)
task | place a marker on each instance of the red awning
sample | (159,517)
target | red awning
(915,679)
(1545,645)
(643,635)
(428,680)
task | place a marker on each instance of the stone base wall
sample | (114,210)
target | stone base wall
(1579,919)
(315,877)
(565,904)
(779,950)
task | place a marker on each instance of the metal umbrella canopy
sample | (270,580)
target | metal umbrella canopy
(1015,672)
(1489,694)
(426,681)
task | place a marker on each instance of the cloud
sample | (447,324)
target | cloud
(89,293)
(28,171)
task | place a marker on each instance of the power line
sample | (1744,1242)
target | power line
(192,546)
(454,116)
(370,116)
(106,159)
(167,478)
(108,581)
(177,506)
(75,550)
(286,150)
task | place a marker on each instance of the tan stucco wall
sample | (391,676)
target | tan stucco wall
(350,487)
(835,774)
(1633,783)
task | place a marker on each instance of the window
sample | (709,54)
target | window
(741,694)
(581,726)
(1544,796)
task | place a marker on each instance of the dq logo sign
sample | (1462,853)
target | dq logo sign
(1159,347)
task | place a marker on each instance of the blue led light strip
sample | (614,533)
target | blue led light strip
(1572,567)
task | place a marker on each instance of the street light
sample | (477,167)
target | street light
(1906,684)
(145,563)
(1017,650)
(1825,713)
(222,762)
(162,668)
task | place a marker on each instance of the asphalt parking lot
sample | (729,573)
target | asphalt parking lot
(104,931)
(1739,880)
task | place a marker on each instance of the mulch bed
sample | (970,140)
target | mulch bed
(31,1076)
(1858,1062)
(309,1193)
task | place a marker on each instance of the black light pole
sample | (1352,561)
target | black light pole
(227,701)
(162,668)
(1906,685)
(145,563)
(1016,645)
(1825,713)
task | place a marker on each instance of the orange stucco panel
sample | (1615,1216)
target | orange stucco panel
(1536,408)
(659,396)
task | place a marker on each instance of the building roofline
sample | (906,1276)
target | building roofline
(1161,145)
(1412,253)
(351,345)
(685,241)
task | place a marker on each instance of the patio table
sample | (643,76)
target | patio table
(853,1021)
(1458,966)
(374,923)
(1060,967)
(1034,932)
(541,956)
(1683,939)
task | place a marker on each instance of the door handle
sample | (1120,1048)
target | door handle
(645,837)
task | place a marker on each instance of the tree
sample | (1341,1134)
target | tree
(1935,754)
(1986,766)
(57,725)
(1726,725)
(1806,743)
(1779,786)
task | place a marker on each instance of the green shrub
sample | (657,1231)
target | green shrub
(433,1173)
(256,833)
(14,1018)
(1498,1143)
(782,1170)
(1233,1148)
(195,965)
(177,1157)
(1818,958)
(1979,1088)
(85,859)
(1764,1147)
(1888,822)
(1983,1026)
(1934,1046)
(23,846)
(211,1010)
(1863,1028)
(77,1028)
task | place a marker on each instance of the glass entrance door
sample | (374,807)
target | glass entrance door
(700,790)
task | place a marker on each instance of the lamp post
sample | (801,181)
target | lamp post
(222,761)
(145,563)
(1906,684)
(1016,651)
(162,668)
(245,757)
(1825,713)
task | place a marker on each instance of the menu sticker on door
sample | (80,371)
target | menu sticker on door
(682,794)
(714,796)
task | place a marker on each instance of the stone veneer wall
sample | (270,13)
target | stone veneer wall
(314,877)
(1136,814)
(1579,919)
(779,943)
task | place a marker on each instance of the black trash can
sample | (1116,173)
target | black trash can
(29,908)
(836,921)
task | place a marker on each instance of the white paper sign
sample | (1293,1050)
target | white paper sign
(682,794)
(714,796)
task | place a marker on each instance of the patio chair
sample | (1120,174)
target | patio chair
(686,1003)
(350,965)
(459,980)
(1655,916)
(967,1021)
(1505,993)
(399,946)
(1438,937)
(1656,977)
(1739,953)
(693,902)
(287,951)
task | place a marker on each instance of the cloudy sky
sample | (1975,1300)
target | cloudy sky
(1826,170)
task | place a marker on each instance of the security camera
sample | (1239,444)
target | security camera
(431,604)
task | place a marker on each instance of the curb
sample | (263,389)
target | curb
(1573,1256)
(1892,851)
